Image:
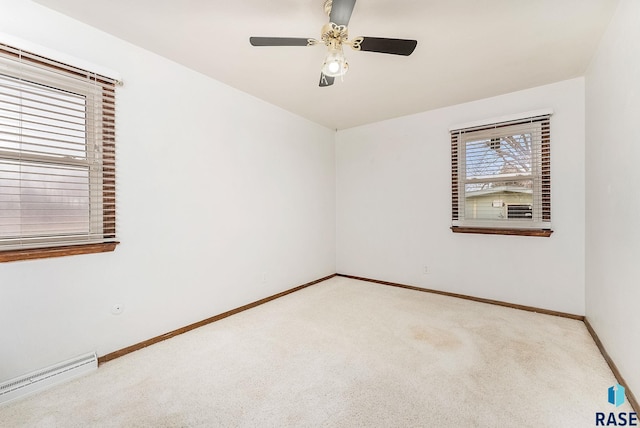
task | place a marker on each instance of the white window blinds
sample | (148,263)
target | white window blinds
(57,153)
(501,174)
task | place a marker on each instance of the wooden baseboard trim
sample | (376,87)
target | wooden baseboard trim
(614,369)
(138,346)
(475,299)
(630,397)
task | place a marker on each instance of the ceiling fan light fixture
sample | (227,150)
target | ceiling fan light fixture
(335,64)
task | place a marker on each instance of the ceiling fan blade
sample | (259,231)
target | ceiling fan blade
(389,46)
(278,41)
(326,80)
(341,11)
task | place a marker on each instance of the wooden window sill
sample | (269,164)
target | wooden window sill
(497,231)
(45,253)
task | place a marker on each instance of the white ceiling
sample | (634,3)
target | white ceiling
(467,49)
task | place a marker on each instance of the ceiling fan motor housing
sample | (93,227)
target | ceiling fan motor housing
(334,35)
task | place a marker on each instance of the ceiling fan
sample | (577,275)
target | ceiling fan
(334,35)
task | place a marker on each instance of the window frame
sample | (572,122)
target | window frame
(536,123)
(98,93)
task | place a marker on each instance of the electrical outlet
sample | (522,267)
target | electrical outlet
(425,270)
(117,309)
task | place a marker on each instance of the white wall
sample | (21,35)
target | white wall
(394,206)
(223,200)
(613,198)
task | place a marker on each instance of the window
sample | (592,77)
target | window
(501,177)
(57,158)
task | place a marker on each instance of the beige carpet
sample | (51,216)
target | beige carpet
(345,353)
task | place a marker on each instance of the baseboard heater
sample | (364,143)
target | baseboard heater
(47,377)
